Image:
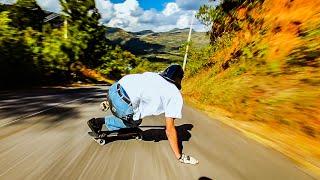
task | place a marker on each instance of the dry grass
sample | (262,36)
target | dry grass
(271,90)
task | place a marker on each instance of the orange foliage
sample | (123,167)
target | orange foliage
(89,73)
(283,107)
(286,19)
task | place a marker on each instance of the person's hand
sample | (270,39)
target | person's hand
(104,106)
(188,159)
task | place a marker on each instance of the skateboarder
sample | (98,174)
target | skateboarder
(136,96)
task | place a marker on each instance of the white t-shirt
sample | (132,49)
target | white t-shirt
(151,94)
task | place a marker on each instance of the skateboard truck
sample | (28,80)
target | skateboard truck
(103,137)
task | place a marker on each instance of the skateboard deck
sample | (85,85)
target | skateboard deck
(104,136)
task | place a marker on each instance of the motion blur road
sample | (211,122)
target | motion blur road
(43,135)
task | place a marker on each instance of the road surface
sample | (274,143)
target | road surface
(43,135)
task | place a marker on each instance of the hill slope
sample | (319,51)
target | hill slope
(160,48)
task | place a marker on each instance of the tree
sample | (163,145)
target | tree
(54,60)
(118,62)
(26,13)
(85,31)
(16,57)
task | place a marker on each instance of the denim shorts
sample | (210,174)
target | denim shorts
(121,108)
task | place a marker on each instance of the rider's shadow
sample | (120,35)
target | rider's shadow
(157,135)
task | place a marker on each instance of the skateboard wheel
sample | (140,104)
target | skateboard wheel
(139,137)
(104,106)
(102,142)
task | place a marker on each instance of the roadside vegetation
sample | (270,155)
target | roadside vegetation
(261,70)
(69,48)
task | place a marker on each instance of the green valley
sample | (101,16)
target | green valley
(157,49)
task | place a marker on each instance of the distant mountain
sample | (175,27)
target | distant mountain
(177,30)
(145,32)
(155,46)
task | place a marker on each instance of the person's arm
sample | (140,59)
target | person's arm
(173,140)
(172,136)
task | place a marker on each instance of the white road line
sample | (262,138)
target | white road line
(39,112)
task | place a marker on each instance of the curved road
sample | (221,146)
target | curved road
(43,135)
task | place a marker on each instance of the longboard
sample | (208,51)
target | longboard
(103,137)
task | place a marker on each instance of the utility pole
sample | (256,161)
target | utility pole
(65,28)
(187,48)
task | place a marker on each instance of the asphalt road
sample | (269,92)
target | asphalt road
(43,135)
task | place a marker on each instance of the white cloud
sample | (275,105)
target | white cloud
(50,5)
(148,16)
(125,14)
(170,9)
(127,7)
(106,9)
(131,17)
(7,1)
(184,21)
(120,22)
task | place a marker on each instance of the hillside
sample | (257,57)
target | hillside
(261,73)
(160,48)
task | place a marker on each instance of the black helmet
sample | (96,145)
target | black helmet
(174,74)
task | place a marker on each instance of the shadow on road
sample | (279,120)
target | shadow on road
(204,178)
(20,103)
(158,133)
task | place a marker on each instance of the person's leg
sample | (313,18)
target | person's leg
(113,123)
(95,124)
(120,108)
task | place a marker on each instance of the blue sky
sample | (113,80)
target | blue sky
(148,4)
(138,15)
